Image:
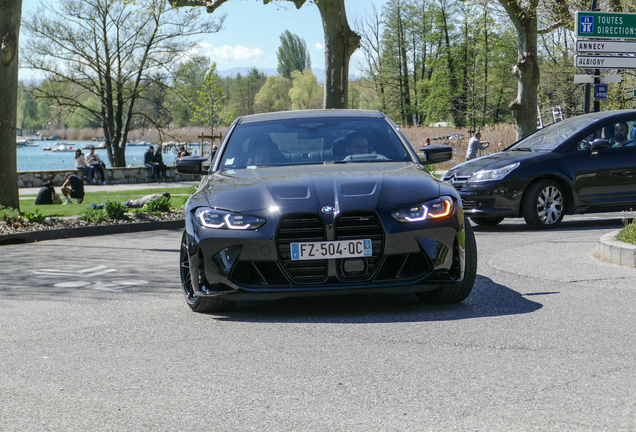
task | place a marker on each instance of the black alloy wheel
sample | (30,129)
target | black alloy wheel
(544,204)
(198,304)
(456,293)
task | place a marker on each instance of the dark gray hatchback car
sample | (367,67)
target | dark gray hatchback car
(315,202)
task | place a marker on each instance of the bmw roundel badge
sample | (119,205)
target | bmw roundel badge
(328,209)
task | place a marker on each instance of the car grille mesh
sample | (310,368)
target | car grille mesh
(360,225)
(301,228)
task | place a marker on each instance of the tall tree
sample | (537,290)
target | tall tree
(109,49)
(524,16)
(274,95)
(208,107)
(10,13)
(305,92)
(243,90)
(340,43)
(292,54)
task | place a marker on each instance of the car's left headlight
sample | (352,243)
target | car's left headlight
(221,219)
(494,174)
(435,209)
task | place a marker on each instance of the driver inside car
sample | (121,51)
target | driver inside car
(621,134)
(357,143)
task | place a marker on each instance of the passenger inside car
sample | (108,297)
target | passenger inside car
(357,143)
(263,151)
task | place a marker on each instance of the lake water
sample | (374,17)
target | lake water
(32,158)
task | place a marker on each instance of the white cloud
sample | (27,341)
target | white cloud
(231,54)
(318,45)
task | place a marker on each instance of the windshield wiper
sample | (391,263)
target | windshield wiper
(526,149)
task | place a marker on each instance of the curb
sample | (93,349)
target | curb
(56,234)
(615,251)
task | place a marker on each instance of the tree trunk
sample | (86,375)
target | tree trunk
(524,108)
(10,15)
(340,43)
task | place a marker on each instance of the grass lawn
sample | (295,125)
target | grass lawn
(178,197)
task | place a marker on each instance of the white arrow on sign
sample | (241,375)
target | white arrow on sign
(603,46)
(604,62)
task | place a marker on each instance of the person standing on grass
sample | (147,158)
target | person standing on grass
(73,187)
(474,145)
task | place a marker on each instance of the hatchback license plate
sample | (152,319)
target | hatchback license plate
(331,249)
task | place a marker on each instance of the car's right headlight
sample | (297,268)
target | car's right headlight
(494,174)
(222,219)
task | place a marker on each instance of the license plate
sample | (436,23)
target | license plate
(331,249)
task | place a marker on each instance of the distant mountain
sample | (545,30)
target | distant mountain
(320,73)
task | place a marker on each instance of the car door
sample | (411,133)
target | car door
(607,177)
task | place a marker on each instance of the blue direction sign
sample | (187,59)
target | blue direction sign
(600,91)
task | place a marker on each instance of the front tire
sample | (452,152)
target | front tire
(198,304)
(544,205)
(456,293)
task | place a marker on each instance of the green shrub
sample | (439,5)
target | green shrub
(94,215)
(115,210)
(158,205)
(9,215)
(628,233)
(35,216)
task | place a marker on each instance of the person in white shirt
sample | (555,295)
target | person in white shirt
(474,145)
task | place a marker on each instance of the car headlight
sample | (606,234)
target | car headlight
(221,219)
(495,174)
(435,209)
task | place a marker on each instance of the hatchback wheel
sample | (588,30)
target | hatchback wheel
(544,204)
(198,304)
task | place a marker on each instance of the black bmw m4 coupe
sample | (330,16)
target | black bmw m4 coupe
(322,202)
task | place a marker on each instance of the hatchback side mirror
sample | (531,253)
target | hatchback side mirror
(436,153)
(599,144)
(192,165)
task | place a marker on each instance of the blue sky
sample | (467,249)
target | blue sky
(250,35)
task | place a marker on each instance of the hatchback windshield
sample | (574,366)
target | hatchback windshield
(311,141)
(552,136)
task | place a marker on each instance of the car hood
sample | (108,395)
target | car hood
(309,188)
(493,161)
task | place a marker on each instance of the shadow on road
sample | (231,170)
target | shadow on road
(488,299)
(518,225)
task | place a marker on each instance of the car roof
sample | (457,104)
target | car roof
(607,114)
(309,114)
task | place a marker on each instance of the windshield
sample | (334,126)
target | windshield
(311,141)
(552,136)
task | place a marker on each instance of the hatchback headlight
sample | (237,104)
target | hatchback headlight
(495,174)
(221,219)
(435,209)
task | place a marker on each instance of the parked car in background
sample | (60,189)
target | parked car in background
(584,164)
(314,202)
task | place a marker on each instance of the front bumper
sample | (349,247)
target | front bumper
(492,199)
(255,264)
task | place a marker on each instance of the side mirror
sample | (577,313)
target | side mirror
(192,165)
(599,144)
(436,154)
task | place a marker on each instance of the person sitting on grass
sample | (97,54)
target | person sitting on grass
(133,203)
(73,187)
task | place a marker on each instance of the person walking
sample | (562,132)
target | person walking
(474,145)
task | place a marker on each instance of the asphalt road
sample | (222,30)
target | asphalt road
(95,336)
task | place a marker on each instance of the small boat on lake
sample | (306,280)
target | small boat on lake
(62,147)
(100,146)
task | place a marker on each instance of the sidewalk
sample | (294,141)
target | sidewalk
(119,187)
